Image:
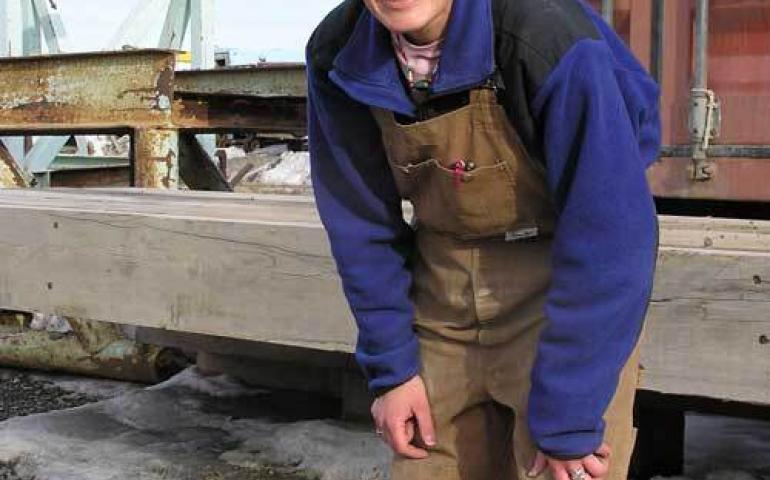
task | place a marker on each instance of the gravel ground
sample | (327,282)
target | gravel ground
(22,394)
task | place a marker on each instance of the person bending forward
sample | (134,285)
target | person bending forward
(499,326)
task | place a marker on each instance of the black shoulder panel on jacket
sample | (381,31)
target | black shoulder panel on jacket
(542,31)
(332,34)
(531,37)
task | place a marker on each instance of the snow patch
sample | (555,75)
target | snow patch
(220,386)
(292,169)
(232,152)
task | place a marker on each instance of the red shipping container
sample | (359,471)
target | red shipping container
(738,72)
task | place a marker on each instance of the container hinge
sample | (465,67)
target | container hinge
(705,125)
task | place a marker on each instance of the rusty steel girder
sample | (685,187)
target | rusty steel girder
(138,89)
(222,113)
(86,91)
(264,80)
(138,92)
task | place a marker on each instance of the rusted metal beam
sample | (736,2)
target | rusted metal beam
(155,154)
(86,91)
(266,80)
(226,113)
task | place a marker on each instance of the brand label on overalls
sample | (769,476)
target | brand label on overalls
(521,234)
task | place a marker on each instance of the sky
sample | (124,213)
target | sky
(275,29)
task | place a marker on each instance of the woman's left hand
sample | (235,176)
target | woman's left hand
(594,467)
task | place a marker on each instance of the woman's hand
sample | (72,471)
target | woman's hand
(595,467)
(402,416)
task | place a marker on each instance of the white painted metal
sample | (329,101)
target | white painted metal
(4,33)
(82,144)
(202,33)
(31,44)
(135,31)
(11,45)
(43,152)
(37,18)
(15,146)
(175,26)
(51,25)
(13,22)
(203,50)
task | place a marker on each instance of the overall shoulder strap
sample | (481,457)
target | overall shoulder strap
(498,14)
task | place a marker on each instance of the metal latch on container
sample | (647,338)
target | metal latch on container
(705,124)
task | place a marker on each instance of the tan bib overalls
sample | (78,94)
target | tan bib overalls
(484,217)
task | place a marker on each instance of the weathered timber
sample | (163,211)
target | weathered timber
(708,327)
(257,267)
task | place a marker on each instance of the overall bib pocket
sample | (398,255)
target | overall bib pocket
(463,198)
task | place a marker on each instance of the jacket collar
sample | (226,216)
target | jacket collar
(367,70)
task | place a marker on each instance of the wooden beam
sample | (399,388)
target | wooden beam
(708,328)
(258,268)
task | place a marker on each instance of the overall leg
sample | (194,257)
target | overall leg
(473,434)
(619,431)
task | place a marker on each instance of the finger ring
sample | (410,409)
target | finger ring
(378,432)
(577,474)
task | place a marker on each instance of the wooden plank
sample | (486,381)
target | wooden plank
(258,267)
(245,276)
(708,328)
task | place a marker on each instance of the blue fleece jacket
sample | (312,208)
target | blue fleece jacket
(594,124)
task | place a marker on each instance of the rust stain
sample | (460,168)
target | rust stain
(165,82)
(155,159)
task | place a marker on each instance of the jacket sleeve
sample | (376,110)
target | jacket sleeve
(600,130)
(371,243)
